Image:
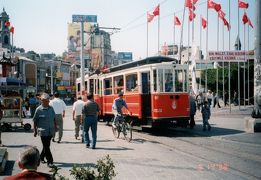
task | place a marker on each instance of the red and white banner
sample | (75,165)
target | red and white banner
(235,56)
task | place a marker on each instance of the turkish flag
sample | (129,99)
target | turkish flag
(190,4)
(226,23)
(221,14)
(203,23)
(213,5)
(242,4)
(250,23)
(191,15)
(156,11)
(7,23)
(150,17)
(245,18)
(177,21)
(12,30)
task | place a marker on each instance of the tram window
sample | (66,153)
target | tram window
(118,84)
(160,75)
(91,86)
(78,87)
(85,85)
(168,80)
(185,81)
(155,80)
(107,86)
(131,83)
(178,80)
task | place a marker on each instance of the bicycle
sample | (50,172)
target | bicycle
(123,126)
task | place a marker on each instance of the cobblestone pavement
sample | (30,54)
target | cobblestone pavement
(226,152)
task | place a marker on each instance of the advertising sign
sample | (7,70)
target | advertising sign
(235,56)
(84,18)
(96,58)
(74,40)
(125,55)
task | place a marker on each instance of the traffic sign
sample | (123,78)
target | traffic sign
(84,18)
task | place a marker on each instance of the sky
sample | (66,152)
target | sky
(41,25)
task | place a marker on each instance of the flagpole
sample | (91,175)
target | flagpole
(181,31)
(174,33)
(200,39)
(244,66)
(147,35)
(229,45)
(248,65)
(206,74)
(159,34)
(217,50)
(223,64)
(238,67)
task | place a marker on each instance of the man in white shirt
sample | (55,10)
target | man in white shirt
(59,109)
(77,112)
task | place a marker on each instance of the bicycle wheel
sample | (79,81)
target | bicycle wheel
(127,131)
(115,132)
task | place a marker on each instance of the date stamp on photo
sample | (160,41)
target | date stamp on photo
(213,166)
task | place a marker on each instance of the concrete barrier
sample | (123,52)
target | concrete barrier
(3,159)
(252,125)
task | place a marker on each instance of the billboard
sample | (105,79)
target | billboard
(96,58)
(74,40)
(84,18)
(125,55)
(236,56)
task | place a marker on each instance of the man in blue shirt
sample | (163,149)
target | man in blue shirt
(117,108)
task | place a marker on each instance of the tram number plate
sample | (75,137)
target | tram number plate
(157,110)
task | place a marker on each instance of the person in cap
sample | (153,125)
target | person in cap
(44,126)
(28,162)
(117,106)
(59,108)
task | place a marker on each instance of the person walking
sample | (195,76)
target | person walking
(77,112)
(216,100)
(226,99)
(209,97)
(28,162)
(44,126)
(33,103)
(206,115)
(193,109)
(59,108)
(90,114)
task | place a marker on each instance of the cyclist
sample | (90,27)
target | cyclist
(117,108)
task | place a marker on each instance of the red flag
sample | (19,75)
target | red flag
(226,23)
(7,23)
(221,14)
(242,4)
(250,23)
(213,5)
(149,17)
(245,18)
(191,15)
(12,30)
(156,11)
(190,4)
(177,21)
(203,23)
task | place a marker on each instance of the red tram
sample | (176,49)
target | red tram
(155,89)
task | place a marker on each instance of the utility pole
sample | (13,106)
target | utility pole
(257,64)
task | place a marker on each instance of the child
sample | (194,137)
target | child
(206,115)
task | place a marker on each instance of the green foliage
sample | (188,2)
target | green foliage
(104,170)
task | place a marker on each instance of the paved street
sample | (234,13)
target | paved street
(226,152)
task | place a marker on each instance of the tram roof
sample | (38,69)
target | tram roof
(149,60)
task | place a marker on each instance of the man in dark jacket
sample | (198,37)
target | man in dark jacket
(193,109)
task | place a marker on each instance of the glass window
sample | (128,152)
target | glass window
(160,75)
(185,81)
(86,85)
(118,84)
(78,87)
(155,80)
(108,86)
(178,80)
(132,83)
(91,86)
(168,80)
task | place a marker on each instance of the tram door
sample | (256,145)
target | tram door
(146,96)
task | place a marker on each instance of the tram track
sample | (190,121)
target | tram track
(233,155)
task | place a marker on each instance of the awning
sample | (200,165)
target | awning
(8,83)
